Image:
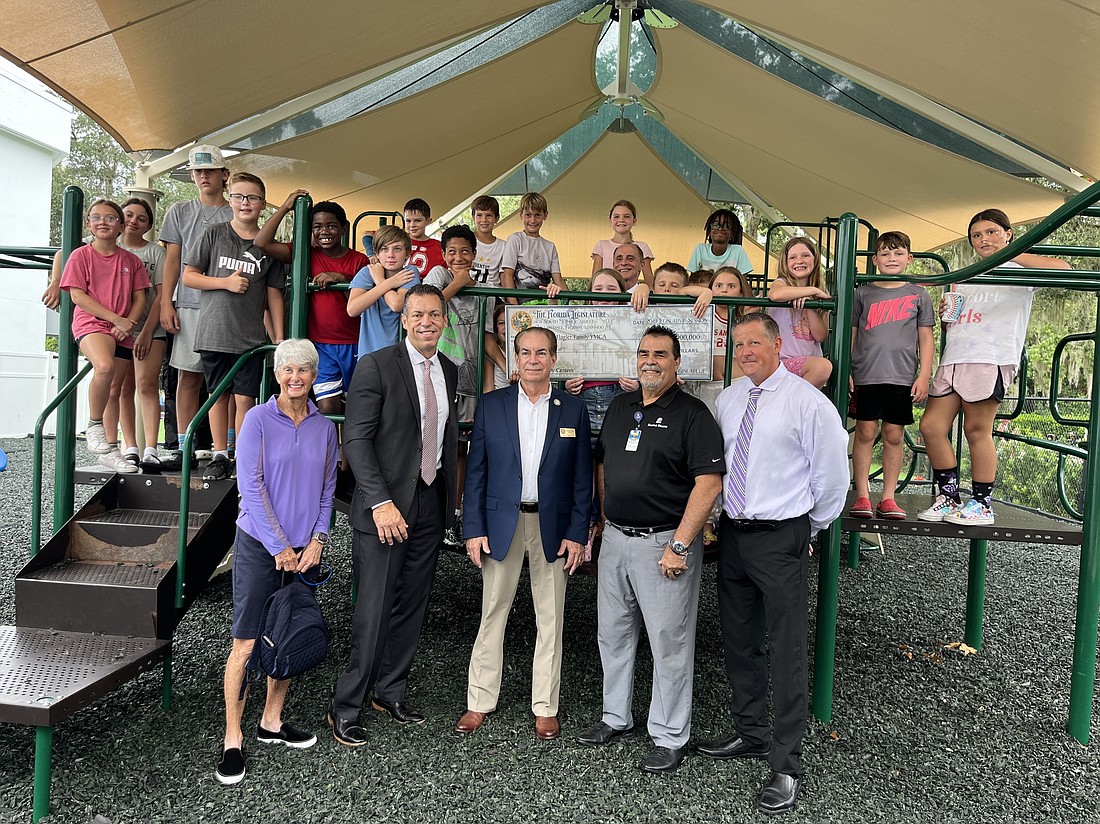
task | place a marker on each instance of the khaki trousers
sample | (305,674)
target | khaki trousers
(500,579)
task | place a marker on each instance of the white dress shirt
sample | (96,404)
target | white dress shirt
(798,455)
(441,404)
(532,437)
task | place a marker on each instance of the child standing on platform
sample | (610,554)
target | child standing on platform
(530,260)
(425,253)
(378,290)
(723,244)
(107,286)
(149,340)
(891,338)
(802,330)
(978,364)
(239,284)
(623,217)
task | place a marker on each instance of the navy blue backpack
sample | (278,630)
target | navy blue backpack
(293,635)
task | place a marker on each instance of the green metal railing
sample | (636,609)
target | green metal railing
(185,469)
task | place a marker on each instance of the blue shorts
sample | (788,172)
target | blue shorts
(255,579)
(335,366)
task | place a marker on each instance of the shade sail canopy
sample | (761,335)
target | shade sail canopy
(371,104)
(671,214)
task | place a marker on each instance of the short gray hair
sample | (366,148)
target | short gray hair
(296,352)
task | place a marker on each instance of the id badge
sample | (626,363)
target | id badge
(632,440)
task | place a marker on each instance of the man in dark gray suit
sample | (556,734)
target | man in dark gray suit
(401,438)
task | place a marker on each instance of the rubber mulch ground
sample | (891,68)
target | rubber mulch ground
(920,733)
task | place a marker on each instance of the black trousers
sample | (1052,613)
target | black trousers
(762,593)
(394,583)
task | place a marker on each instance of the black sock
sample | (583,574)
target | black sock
(983,492)
(947,481)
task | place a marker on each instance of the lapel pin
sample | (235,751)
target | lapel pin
(557,401)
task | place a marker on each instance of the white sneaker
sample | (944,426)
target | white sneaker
(114,460)
(940,509)
(975,513)
(95,438)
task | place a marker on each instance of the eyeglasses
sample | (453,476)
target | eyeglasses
(103,219)
(236,198)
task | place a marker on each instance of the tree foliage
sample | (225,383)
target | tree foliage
(99,166)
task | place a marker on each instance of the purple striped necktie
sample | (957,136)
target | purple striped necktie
(739,464)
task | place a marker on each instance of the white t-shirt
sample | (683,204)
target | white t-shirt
(993,324)
(487,260)
(532,259)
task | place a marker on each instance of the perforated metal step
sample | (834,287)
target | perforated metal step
(98,574)
(146,517)
(46,676)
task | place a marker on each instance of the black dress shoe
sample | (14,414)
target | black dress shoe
(400,712)
(663,760)
(780,795)
(733,747)
(347,731)
(601,734)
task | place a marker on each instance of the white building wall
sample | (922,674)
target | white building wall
(34,136)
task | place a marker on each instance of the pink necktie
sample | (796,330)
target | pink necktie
(430,427)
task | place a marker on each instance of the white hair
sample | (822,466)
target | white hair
(296,352)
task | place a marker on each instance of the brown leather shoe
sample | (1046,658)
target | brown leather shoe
(470,722)
(547,727)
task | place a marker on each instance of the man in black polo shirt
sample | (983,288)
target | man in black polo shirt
(659,470)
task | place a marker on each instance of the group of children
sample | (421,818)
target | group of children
(217,286)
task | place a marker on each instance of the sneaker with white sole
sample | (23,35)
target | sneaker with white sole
(230,766)
(289,736)
(975,513)
(95,439)
(114,460)
(940,509)
(218,469)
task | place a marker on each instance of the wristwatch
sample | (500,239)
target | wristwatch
(679,547)
(320,537)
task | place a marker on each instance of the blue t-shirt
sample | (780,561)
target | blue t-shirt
(378,325)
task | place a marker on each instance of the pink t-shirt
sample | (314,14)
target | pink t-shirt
(111,281)
(606,250)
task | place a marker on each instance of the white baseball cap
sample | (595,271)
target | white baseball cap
(205,157)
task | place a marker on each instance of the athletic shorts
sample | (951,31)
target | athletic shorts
(335,366)
(184,354)
(886,402)
(466,406)
(973,382)
(216,365)
(121,352)
(255,579)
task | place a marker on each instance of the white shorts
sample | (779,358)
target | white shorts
(184,355)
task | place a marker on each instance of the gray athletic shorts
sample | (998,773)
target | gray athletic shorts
(184,355)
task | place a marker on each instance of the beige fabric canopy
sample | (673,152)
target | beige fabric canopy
(158,74)
(1023,67)
(671,214)
(815,159)
(162,74)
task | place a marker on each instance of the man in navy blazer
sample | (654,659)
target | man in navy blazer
(401,439)
(528,494)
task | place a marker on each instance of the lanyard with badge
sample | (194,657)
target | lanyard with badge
(635,433)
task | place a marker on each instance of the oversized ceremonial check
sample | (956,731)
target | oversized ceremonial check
(601,342)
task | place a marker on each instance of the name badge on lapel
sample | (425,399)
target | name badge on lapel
(566,432)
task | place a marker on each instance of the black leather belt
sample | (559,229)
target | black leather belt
(528,506)
(642,531)
(749,525)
